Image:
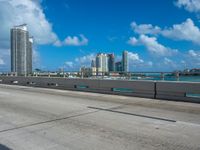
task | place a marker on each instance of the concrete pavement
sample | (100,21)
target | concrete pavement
(47,119)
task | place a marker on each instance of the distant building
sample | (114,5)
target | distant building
(93,67)
(86,72)
(93,64)
(111,62)
(94,70)
(118,66)
(195,70)
(125,61)
(21,50)
(101,63)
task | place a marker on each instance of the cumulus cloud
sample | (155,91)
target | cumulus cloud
(14,12)
(193,53)
(191,59)
(85,59)
(152,45)
(58,43)
(79,62)
(185,31)
(134,58)
(135,62)
(194,58)
(69,64)
(145,28)
(189,5)
(76,41)
(167,61)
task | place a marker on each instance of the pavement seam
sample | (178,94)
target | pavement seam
(47,121)
(132,114)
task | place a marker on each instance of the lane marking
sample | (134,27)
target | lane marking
(132,114)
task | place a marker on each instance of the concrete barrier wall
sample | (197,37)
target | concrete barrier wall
(130,88)
(181,91)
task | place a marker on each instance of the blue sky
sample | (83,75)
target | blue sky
(160,35)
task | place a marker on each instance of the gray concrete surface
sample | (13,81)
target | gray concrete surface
(165,90)
(48,119)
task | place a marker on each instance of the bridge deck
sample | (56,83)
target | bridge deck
(37,119)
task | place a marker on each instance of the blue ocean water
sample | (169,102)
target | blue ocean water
(169,78)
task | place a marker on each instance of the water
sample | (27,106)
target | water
(169,78)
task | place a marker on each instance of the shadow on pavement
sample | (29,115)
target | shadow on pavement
(2,147)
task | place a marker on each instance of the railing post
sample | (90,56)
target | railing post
(162,76)
(177,76)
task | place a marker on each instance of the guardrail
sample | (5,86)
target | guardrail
(179,91)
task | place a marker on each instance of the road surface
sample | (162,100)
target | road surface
(47,119)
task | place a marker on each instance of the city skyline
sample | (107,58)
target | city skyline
(159,36)
(105,62)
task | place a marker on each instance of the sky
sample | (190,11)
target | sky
(160,35)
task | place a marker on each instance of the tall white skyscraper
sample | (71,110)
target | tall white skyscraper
(21,50)
(102,62)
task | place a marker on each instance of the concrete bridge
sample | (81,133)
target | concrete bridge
(52,119)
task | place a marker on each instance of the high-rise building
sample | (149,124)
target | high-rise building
(118,66)
(125,61)
(21,50)
(101,63)
(93,67)
(111,62)
(29,55)
(93,64)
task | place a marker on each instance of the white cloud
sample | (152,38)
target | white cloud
(14,12)
(135,62)
(134,58)
(152,45)
(186,31)
(189,5)
(167,61)
(85,60)
(145,28)
(69,64)
(58,43)
(79,62)
(76,41)
(133,41)
(193,53)
(191,59)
